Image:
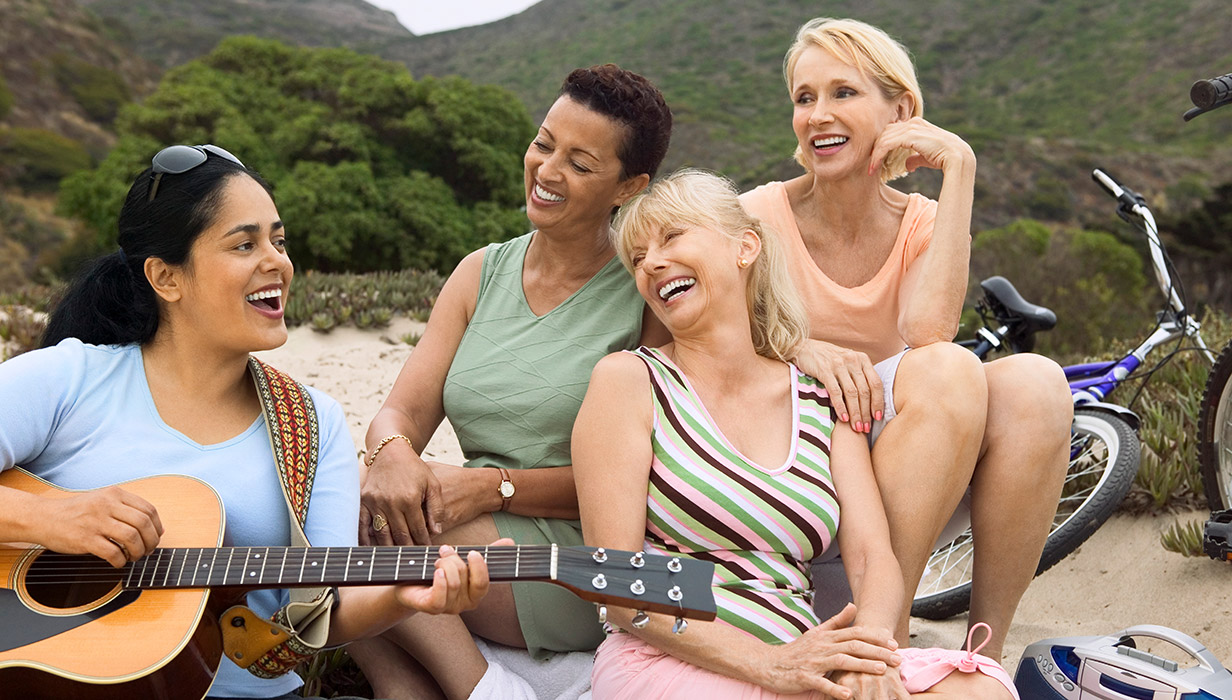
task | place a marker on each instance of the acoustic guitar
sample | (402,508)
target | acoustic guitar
(73,626)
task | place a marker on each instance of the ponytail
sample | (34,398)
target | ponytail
(106,304)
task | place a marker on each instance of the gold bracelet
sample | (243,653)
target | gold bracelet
(385,441)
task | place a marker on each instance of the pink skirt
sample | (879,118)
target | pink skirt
(626,668)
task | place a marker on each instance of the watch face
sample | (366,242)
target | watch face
(506,489)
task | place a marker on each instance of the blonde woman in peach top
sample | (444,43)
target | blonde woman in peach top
(883,275)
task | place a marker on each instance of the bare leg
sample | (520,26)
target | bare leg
(442,643)
(966,686)
(1016,485)
(924,458)
(395,675)
(496,618)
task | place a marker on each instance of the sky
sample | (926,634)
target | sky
(427,16)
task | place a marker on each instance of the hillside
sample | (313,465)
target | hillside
(64,74)
(1043,89)
(170,32)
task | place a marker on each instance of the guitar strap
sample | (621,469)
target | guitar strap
(271,648)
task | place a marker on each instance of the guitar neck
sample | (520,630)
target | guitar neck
(290,567)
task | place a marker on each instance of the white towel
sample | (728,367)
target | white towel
(513,675)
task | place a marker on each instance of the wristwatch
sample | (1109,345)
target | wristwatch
(506,488)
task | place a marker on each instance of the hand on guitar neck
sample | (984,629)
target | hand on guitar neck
(112,524)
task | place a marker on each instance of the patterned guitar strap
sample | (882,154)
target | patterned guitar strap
(271,648)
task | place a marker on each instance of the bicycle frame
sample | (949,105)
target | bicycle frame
(1093,381)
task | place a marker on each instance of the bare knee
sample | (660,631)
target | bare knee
(943,378)
(1029,397)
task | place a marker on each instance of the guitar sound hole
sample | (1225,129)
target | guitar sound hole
(64,581)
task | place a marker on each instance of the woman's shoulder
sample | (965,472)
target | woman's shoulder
(763,196)
(324,405)
(919,210)
(623,366)
(71,356)
(513,249)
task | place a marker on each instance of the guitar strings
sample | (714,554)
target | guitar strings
(504,560)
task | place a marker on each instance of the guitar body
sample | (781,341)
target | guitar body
(98,641)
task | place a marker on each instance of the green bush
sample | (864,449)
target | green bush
(373,170)
(38,159)
(1094,283)
(100,91)
(6,98)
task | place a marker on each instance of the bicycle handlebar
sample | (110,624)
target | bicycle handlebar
(1209,94)
(1127,197)
(1212,93)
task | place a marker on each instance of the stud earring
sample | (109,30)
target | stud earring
(743,263)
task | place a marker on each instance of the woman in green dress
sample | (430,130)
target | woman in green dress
(506,357)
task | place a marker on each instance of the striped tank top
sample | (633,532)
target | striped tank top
(759,526)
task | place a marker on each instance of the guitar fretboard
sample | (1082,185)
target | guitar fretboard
(287,567)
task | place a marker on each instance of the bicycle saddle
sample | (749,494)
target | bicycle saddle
(1008,305)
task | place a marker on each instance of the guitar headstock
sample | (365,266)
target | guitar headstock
(670,585)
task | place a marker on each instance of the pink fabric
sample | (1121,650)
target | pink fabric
(923,668)
(626,668)
(863,318)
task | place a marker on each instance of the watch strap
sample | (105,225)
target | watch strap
(505,478)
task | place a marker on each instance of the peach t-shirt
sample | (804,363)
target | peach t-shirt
(863,318)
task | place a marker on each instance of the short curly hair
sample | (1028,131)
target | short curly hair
(633,101)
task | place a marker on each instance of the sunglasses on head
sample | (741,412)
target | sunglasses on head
(174,160)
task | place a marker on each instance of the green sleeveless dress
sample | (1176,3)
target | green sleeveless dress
(512,394)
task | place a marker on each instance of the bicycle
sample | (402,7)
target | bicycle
(1215,414)
(1104,446)
(1215,417)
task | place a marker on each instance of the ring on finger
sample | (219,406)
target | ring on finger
(379,522)
(123,549)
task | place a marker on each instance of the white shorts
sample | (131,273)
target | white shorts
(887,370)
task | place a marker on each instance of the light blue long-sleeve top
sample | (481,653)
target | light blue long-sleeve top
(82,417)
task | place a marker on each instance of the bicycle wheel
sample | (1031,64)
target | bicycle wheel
(1104,453)
(1215,433)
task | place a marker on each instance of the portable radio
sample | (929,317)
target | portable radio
(1111,668)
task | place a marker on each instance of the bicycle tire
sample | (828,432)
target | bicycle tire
(1104,455)
(1215,433)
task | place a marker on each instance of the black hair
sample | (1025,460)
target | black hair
(633,101)
(110,302)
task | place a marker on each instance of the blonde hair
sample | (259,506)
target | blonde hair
(875,54)
(699,198)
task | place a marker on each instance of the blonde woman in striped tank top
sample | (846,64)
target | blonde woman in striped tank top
(728,453)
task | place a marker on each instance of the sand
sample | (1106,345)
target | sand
(1118,578)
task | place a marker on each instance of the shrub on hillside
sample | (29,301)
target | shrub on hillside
(372,169)
(6,98)
(1096,284)
(100,91)
(38,159)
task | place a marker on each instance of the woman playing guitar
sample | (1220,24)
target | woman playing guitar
(145,370)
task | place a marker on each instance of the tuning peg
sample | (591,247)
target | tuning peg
(674,594)
(638,560)
(680,626)
(641,619)
(674,565)
(602,613)
(599,555)
(599,582)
